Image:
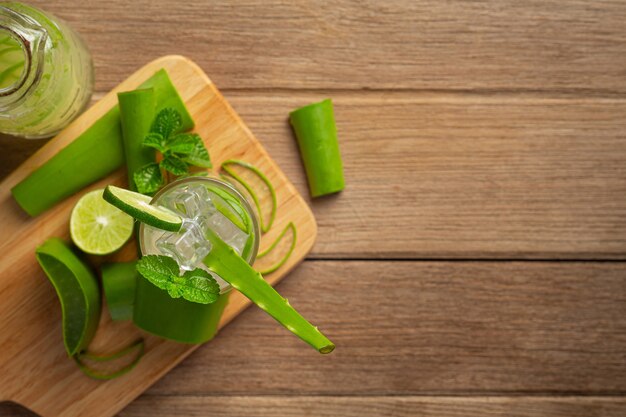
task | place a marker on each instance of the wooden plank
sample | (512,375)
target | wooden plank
(430,44)
(328,406)
(467,176)
(406,328)
(460,175)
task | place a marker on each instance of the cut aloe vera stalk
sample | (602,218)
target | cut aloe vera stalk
(225,262)
(316,132)
(138,206)
(77,290)
(136,113)
(97,152)
(119,281)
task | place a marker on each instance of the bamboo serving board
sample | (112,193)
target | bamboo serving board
(34,368)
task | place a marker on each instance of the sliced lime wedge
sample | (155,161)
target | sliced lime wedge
(138,206)
(97,227)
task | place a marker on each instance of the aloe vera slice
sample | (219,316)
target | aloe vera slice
(138,346)
(119,281)
(226,167)
(94,154)
(225,262)
(78,292)
(291,226)
(314,126)
(136,113)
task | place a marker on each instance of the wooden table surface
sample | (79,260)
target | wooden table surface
(476,263)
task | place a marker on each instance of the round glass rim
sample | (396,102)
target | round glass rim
(221,183)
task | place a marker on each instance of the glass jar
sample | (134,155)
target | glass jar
(176,318)
(46,72)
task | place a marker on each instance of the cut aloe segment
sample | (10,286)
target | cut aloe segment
(77,290)
(119,281)
(138,206)
(97,152)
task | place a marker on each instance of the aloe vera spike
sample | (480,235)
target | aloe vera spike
(264,227)
(225,262)
(287,255)
(314,126)
(97,152)
(137,111)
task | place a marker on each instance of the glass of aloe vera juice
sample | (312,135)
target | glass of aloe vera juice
(205,204)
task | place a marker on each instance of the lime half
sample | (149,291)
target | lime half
(97,227)
(138,206)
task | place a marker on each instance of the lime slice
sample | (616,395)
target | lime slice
(138,206)
(97,227)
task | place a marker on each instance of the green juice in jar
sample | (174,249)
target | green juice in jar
(46,72)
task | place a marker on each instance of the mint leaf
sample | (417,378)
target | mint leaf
(156,141)
(167,121)
(158,269)
(148,179)
(199,156)
(200,287)
(183,143)
(174,165)
(197,286)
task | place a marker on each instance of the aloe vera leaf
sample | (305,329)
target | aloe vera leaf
(119,281)
(78,292)
(316,132)
(136,114)
(225,262)
(94,154)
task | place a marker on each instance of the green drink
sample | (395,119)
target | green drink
(205,204)
(46,73)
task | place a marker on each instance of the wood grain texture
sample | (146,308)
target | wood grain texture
(466,176)
(397,406)
(397,44)
(35,369)
(278,406)
(407,328)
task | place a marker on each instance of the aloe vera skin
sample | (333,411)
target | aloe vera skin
(137,111)
(94,154)
(176,318)
(225,262)
(119,281)
(316,132)
(78,292)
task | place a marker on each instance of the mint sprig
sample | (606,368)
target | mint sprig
(180,152)
(197,286)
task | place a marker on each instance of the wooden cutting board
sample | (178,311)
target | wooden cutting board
(34,368)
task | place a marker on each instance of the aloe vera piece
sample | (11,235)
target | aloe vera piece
(138,346)
(78,292)
(316,133)
(136,114)
(225,262)
(94,154)
(119,281)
